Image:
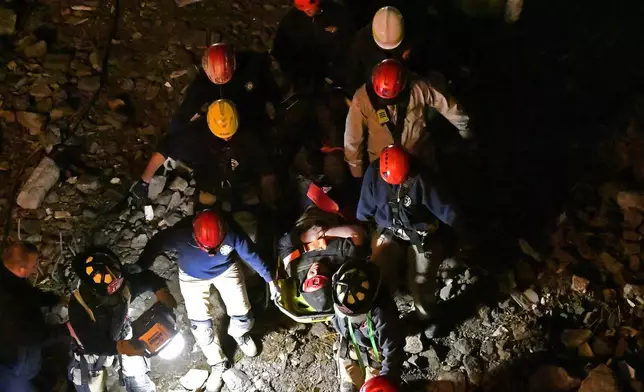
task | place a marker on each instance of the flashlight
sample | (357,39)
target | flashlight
(156,327)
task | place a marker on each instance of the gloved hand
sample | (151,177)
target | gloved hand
(131,347)
(275,290)
(165,297)
(139,193)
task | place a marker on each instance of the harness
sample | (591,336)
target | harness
(400,217)
(79,358)
(384,115)
(361,354)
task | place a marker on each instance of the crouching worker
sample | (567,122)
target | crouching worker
(98,322)
(208,246)
(410,214)
(321,241)
(371,341)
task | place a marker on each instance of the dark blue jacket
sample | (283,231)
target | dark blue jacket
(197,263)
(426,202)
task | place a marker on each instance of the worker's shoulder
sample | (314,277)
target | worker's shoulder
(251,58)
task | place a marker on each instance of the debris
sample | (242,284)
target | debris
(319,330)
(445,292)
(115,181)
(89,83)
(88,184)
(33,192)
(115,103)
(148,212)
(474,369)
(195,378)
(630,199)
(34,122)
(463,346)
(531,295)
(580,284)
(156,186)
(178,184)
(139,241)
(600,379)
(40,91)
(413,344)
(62,215)
(552,379)
(432,358)
(8,20)
(634,293)
(528,250)
(575,337)
(37,50)
(237,381)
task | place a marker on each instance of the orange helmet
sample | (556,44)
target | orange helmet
(378,384)
(308,6)
(388,79)
(208,231)
(394,165)
(218,62)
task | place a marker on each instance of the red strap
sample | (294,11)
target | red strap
(329,149)
(73,333)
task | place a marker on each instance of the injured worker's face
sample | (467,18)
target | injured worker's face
(316,277)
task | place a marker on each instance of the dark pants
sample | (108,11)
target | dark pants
(17,376)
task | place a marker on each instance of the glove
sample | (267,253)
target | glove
(131,347)
(165,297)
(275,290)
(139,193)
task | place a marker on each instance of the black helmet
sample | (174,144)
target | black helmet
(355,287)
(99,269)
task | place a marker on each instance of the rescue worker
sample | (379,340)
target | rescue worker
(23,332)
(409,212)
(240,77)
(370,342)
(208,246)
(321,241)
(99,323)
(375,121)
(312,43)
(230,164)
(388,36)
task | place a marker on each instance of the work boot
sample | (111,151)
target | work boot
(247,345)
(215,381)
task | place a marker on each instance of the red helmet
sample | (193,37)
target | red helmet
(315,278)
(307,5)
(378,384)
(208,231)
(388,78)
(219,63)
(394,165)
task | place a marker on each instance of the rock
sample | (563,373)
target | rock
(601,347)
(172,219)
(458,381)
(88,184)
(139,241)
(552,379)
(31,226)
(195,378)
(151,92)
(156,186)
(37,50)
(446,292)
(319,330)
(34,122)
(600,379)
(579,284)
(57,62)
(432,358)
(474,369)
(585,351)
(631,199)
(531,295)
(178,184)
(289,344)
(8,20)
(575,337)
(89,83)
(175,201)
(487,348)
(633,218)
(136,216)
(634,293)
(463,346)
(40,91)
(413,344)
(237,381)
(62,214)
(33,192)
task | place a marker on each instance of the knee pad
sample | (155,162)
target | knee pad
(202,331)
(240,325)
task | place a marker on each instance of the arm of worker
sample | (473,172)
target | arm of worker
(165,240)
(448,108)
(248,252)
(355,128)
(355,233)
(196,96)
(387,328)
(18,322)
(437,200)
(367,206)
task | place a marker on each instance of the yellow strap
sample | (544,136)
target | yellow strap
(80,300)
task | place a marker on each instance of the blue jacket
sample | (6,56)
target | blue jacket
(426,204)
(197,263)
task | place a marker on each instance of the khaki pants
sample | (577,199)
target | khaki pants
(388,252)
(349,369)
(135,374)
(232,289)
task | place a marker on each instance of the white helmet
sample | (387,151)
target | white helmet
(388,28)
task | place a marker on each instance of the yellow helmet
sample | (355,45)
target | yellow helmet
(222,118)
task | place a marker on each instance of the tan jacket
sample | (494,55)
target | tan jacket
(362,118)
